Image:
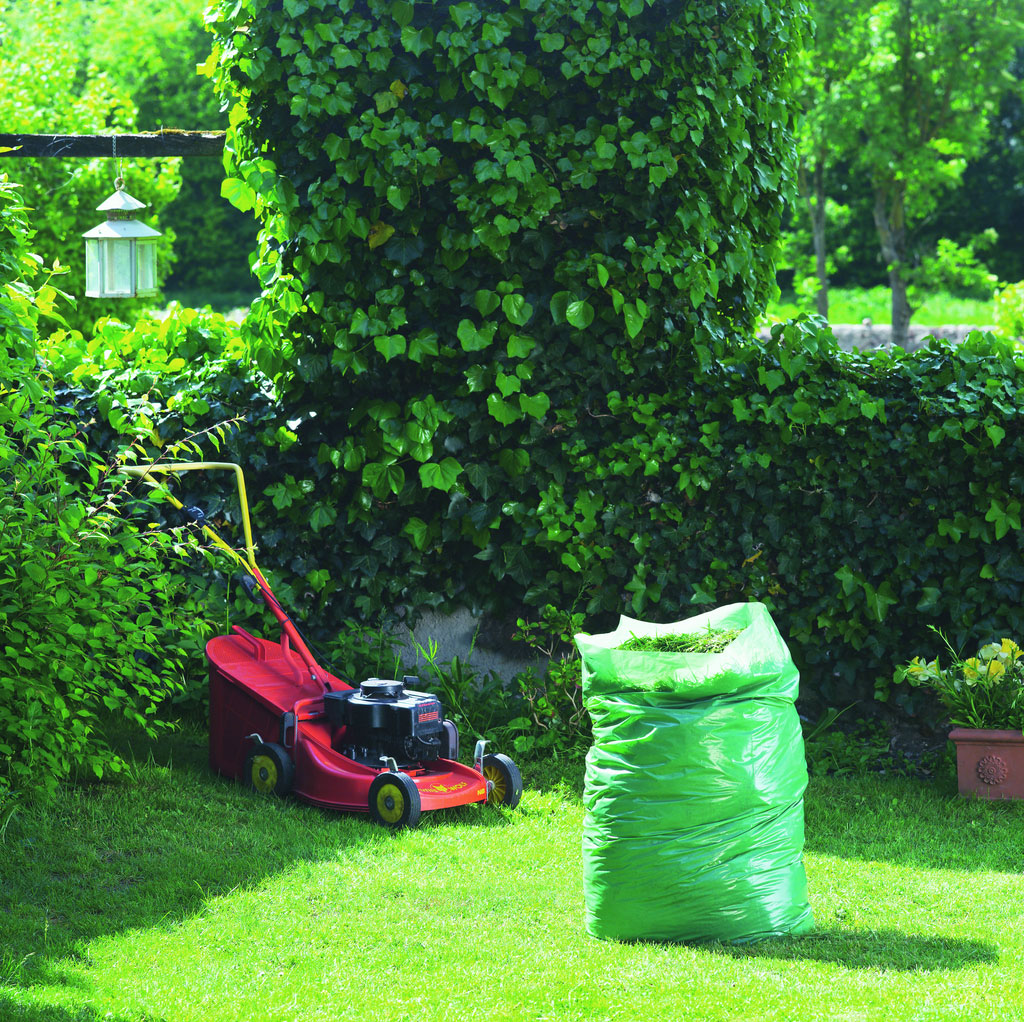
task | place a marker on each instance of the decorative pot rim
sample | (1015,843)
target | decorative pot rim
(993,736)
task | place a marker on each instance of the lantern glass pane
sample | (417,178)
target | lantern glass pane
(93,284)
(146,283)
(118,268)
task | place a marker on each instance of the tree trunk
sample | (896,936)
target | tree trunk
(818,230)
(892,238)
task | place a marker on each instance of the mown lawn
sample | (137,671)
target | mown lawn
(175,896)
(854,305)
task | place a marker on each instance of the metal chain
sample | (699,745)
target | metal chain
(118,180)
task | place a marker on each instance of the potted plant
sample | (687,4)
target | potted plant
(984,695)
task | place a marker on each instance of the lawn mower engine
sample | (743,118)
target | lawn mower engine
(384,718)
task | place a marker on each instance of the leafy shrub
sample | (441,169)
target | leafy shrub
(1009,311)
(556,722)
(481,705)
(85,594)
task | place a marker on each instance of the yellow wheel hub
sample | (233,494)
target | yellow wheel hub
(390,803)
(264,774)
(496,796)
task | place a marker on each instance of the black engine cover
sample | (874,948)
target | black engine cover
(384,718)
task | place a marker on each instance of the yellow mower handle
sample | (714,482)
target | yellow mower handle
(146,472)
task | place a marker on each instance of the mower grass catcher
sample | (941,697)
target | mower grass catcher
(283,724)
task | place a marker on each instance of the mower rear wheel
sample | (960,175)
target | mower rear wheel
(505,783)
(394,800)
(269,769)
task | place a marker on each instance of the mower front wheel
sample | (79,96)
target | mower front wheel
(504,782)
(269,769)
(394,800)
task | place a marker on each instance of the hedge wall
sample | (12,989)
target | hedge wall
(864,498)
(513,257)
(481,220)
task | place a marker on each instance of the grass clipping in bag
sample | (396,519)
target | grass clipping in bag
(694,784)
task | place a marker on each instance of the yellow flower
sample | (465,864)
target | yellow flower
(1011,648)
(995,669)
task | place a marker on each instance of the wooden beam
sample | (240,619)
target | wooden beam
(167,142)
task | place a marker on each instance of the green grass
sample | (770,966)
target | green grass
(702,642)
(175,896)
(857,304)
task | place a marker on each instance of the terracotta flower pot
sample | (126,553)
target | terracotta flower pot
(989,764)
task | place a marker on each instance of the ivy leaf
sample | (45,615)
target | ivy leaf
(502,410)
(995,434)
(440,476)
(559,303)
(473,338)
(390,346)
(379,233)
(517,309)
(579,314)
(383,479)
(418,532)
(520,346)
(322,516)
(401,11)
(486,302)
(515,462)
(879,600)
(535,405)
(238,193)
(417,40)
(404,250)
(422,345)
(508,385)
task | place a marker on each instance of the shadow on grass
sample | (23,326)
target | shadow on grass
(877,950)
(150,849)
(12,1011)
(156,847)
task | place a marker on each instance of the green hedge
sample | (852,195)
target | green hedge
(864,498)
(479,221)
(513,257)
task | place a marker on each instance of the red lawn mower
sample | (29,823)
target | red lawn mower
(283,724)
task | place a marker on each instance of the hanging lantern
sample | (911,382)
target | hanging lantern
(120,255)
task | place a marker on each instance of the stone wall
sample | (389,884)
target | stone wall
(867,335)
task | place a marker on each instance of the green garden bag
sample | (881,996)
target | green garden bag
(694,825)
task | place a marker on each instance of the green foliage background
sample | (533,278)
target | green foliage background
(52,86)
(154,56)
(480,223)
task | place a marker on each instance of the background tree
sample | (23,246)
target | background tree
(905,103)
(153,56)
(825,132)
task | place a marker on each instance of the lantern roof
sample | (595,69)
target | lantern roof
(121,201)
(114,229)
